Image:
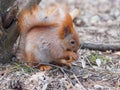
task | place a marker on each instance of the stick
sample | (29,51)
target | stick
(100,46)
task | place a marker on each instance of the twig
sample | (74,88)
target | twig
(100,46)
(82,87)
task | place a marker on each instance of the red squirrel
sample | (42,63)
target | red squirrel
(47,35)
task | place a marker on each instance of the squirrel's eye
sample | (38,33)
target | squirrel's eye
(72,42)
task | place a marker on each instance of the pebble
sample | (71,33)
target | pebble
(115,12)
(95,19)
(105,17)
(109,22)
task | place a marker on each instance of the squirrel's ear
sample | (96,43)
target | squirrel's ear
(74,13)
(66,31)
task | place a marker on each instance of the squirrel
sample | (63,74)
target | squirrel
(47,35)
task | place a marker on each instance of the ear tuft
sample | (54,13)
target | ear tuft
(66,31)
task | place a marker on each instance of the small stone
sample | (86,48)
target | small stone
(95,19)
(109,22)
(105,17)
(115,12)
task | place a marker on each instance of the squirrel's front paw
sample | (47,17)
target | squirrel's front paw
(73,56)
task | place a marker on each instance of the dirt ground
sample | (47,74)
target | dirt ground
(98,22)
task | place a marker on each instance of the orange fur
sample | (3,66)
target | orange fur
(47,35)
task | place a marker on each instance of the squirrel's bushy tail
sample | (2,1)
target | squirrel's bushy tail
(36,16)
